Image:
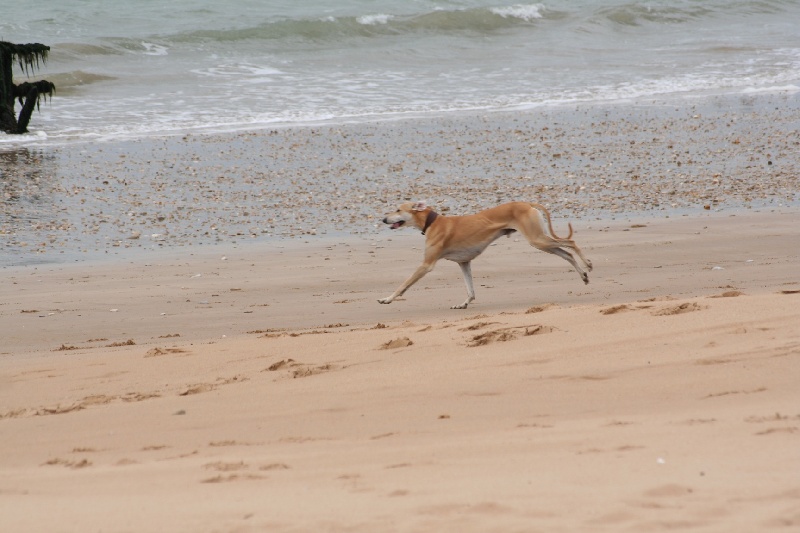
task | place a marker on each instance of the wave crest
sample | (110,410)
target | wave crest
(527,13)
(638,14)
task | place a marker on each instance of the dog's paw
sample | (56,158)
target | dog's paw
(385,301)
(462,306)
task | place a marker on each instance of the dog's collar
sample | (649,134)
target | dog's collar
(429,220)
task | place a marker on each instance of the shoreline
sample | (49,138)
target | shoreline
(673,100)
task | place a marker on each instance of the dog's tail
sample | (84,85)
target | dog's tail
(546,215)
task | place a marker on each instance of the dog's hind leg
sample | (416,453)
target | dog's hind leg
(547,244)
(545,238)
(560,252)
(466,270)
(539,231)
(574,247)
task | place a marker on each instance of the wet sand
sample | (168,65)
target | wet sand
(648,158)
(249,381)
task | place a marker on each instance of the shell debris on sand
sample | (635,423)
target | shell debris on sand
(584,162)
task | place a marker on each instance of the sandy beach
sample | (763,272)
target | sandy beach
(160,375)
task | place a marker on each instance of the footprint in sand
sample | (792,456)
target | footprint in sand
(129,342)
(687,307)
(732,392)
(232,477)
(306,371)
(222,466)
(402,342)
(154,447)
(97,399)
(206,387)
(83,463)
(478,325)
(222,443)
(540,308)
(728,294)
(507,334)
(281,364)
(155,352)
(274,466)
(696,421)
(497,335)
(670,490)
(772,419)
(300,370)
(88,401)
(197,389)
(616,309)
(138,396)
(15,413)
(777,417)
(782,430)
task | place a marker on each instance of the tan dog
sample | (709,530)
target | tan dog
(462,239)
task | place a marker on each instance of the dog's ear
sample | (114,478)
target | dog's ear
(419,206)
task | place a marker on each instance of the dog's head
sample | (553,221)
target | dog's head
(404,214)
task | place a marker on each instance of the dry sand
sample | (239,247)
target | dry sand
(263,388)
(269,391)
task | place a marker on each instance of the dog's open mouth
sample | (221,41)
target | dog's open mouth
(397,224)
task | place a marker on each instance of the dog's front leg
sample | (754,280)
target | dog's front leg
(415,277)
(466,270)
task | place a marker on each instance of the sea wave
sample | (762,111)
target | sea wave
(686,11)
(382,60)
(381,24)
(488,20)
(66,82)
(71,50)
(636,14)
(432,19)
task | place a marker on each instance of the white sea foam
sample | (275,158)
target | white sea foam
(152,49)
(369,20)
(776,89)
(239,70)
(525,12)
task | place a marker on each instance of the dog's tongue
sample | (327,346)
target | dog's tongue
(396,225)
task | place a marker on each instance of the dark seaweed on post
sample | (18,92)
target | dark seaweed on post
(29,57)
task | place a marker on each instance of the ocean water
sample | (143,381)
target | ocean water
(127,69)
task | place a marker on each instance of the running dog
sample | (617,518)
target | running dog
(463,238)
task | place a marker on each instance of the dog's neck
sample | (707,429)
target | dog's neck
(430,217)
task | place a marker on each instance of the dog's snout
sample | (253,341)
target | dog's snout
(385,220)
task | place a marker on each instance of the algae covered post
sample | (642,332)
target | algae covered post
(29,57)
